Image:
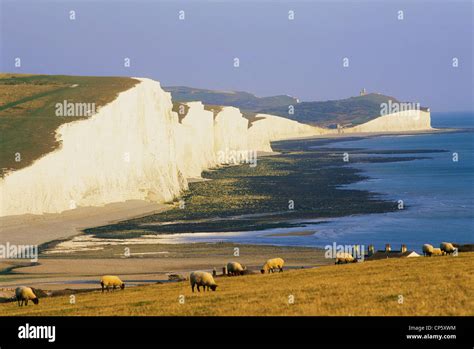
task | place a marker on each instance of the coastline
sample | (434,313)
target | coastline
(47,228)
(150,262)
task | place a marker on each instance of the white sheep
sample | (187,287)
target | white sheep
(437,252)
(235,268)
(202,278)
(24,294)
(447,247)
(427,249)
(344,257)
(111,281)
(272,264)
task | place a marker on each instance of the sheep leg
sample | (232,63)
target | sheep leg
(102,285)
(281,269)
(192,287)
(198,288)
(18,300)
(26,301)
(204,288)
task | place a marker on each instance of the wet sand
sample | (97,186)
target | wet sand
(39,229)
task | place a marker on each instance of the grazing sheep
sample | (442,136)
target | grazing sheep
(202,278)
(235,268)
(427,249)
(111,281)
(272,264)
(344,257)
(447,247)
(437,252)
(176,277)
(24,294)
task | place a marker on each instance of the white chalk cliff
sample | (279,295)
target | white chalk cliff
(410,120)
(275,128)
(135,148)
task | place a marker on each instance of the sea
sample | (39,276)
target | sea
(436,195)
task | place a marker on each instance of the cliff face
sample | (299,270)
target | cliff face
(271,127)
(135,148)
(116,155)
(194,141)
(405,121)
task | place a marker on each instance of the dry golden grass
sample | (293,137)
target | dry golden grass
(429,286)
(11,93)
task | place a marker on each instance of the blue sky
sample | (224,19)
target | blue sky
(409,59)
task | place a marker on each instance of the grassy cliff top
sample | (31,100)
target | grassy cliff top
(28,118)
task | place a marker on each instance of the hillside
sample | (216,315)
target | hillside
(27,111)
(353,110)
(243,100)
(369,288)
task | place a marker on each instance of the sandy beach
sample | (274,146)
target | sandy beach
(39,229)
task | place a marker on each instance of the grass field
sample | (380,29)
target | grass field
(27,111)
(411,286)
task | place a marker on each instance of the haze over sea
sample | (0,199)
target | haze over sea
(437,193)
